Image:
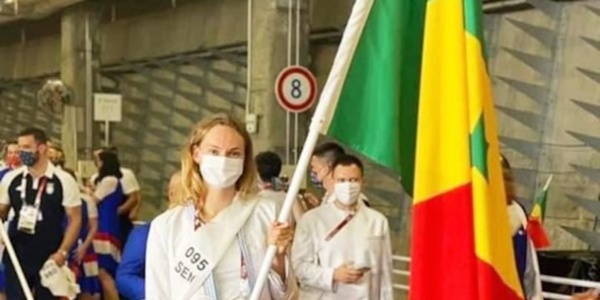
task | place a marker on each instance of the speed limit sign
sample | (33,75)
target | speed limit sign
(296,89)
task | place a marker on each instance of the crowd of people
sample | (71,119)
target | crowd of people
(75,238)
(210,243)
(53,215)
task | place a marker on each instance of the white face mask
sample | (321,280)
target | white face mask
(221,172)
(347,192)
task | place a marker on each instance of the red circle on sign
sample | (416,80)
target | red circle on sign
(287,104)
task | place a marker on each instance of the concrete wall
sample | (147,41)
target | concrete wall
(187,28)
(535,58)
(31,59)
(160,108)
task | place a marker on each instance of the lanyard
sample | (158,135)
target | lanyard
(243,269)
(339,227)
(38,196)
(197,220)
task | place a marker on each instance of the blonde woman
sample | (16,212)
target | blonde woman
(211,245)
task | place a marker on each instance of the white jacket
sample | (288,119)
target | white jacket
(174,228)
(365,237)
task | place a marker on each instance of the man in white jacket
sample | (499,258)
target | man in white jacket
(342,249)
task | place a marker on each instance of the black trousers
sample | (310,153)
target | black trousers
(13,287)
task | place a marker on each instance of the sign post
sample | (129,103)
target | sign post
(107,108)
(296,89)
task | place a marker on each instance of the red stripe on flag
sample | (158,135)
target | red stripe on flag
(491,285)
(443,248)
(536,231)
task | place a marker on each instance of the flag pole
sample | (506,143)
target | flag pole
(15,262)
(290,197)
(329,96)
(548,182)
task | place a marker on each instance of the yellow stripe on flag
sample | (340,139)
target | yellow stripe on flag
(442,75)
(490,212)
(536,213)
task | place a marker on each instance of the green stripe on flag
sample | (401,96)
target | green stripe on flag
(473,18)
(376,114)
(480,148)
(541,201)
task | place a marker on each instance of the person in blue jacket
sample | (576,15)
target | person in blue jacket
(130,273)
(130,278)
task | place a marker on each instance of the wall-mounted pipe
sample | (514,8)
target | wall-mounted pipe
(249,57)
(505,6)
(89,112)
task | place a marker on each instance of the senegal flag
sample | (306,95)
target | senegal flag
(535,227)
(409,89)
(461,245)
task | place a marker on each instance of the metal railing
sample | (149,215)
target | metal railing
(401,272)
(544,278)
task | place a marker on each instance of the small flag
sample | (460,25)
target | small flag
(535,227)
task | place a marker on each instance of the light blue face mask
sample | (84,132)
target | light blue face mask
(315,180)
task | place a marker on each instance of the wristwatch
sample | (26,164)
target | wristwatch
(63,253)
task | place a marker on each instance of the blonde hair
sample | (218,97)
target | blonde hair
(194,187)
(177,189)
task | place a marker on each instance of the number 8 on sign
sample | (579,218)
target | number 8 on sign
(296,92)
(296,89)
